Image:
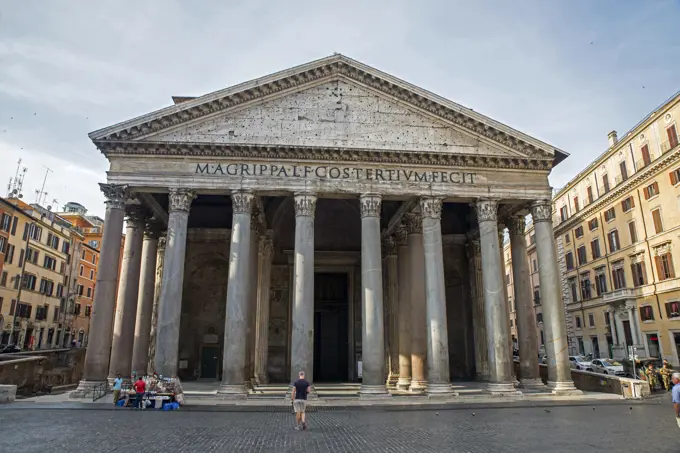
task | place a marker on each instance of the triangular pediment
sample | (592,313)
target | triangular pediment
(335,102)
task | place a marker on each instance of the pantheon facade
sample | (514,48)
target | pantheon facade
(329,218)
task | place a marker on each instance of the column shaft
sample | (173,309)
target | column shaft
(391,268)
(633,325)
(302,335)
(158,280)
(612,328)
(418,304)
(266,249)
(404,308)
(235,329)
(554,321)
(478,315)
(438,373)
(500,356)
(101,322)
(524,306)
(501,237)
(128,293)
(170,301)
(373,334)
(252,298)
(147,286)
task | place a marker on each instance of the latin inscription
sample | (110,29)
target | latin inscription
(335,172)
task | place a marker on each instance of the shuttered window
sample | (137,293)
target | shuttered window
(651,190)
(656,216)
(664,266)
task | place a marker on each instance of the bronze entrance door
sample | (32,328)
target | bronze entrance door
(331,309)
(210,360)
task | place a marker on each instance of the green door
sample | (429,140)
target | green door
(210,360)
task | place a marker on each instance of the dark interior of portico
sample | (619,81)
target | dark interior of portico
(337,241)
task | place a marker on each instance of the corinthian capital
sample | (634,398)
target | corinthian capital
(305,204)
(153,229)
(180,199)
(135,216)
(115,194)
(516,225)
(431,207)
(413,222)
(242,202)
(487,210)
(541,211)
(370,205)
(401,234)
(389,246)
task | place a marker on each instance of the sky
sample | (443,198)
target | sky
(565,72)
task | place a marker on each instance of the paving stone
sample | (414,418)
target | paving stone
(556,429)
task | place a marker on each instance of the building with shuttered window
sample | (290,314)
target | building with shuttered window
(617,228)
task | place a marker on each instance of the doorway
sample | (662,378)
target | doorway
(210,360)
(331,311)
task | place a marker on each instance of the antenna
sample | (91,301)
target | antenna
(16,184)
(42,192)
(56,204)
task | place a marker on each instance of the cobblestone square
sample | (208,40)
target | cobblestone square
(616,427)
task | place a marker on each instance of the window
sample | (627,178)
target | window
(89,292)
(46,286)
(605,183)
(613,239)
(600,281)
(646,158)
(34,231)
(567,238)
(3,279)
(93,244)
(65,247)
(83,257)
(32,256)
(589,190)
(591,320)
(592,225)
(52,241)
(507,279)
(627,204)
(80,290)
(539,317)
(578,232)
(60,290)
(16,281)
(578,322)
(6,222)
(563,213)
(29,282)
(651,190)
(609,214)
(585,286)
(633,233)
(9,256)
(534,265)
(624,170)
(595,249)
(570,261)
(62,268)
(582,255)
(11,307)
(573,286)
(24,310)
(607,319)
(49,263)
(639,273)
(56,314)
(532,239)
(77,310)
(672,309)
(664,266)
(675,176)
(537,296)
(618,276)
(88,310)
(91,274)
(647,313)
(94,259)
(672,137)
(2,244)
(576,205)
(656,217)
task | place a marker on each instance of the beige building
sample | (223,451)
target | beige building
(617,228)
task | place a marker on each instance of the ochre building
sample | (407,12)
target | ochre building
(329,218)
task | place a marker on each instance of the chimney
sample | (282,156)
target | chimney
(612,138)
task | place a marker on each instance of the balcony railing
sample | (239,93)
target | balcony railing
(667,146)
(618,294)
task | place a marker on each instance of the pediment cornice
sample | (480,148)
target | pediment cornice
(329,154)
(337,66)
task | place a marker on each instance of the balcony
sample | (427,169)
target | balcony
(667,146)
(618,295)
(642,163)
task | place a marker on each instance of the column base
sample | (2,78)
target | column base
(502,389)
(533,385)
(392,380)
(440,391)
(232,391)
(262,379)
(418,386)
(563,388)
(367,391)
(86,389)
(403,383)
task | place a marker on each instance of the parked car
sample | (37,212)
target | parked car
(10,348)
(579,362)
(608,366)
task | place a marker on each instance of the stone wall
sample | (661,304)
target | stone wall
(35,372)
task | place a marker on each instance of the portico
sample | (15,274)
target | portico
(327,214)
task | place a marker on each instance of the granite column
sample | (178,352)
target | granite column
(392,309)
(404,308)
(265,251)
(416,255)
